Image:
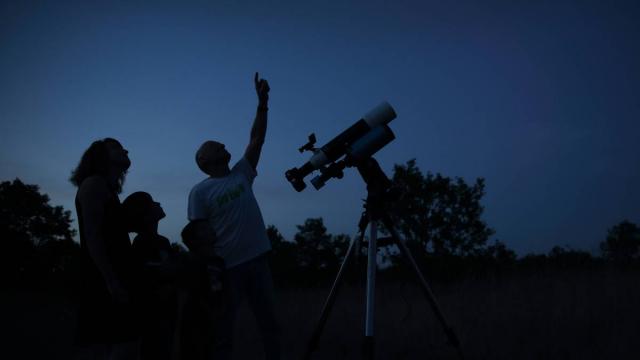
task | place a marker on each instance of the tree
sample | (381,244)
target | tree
(315,248)
(622,243)
(440,214)
(565,256)
(24,212)
(33,234)
(501,253)
(283,257)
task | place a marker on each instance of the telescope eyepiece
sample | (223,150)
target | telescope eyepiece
(295,178)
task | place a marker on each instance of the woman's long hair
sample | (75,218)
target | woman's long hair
(95,161)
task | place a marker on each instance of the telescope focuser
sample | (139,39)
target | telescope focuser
(335,170)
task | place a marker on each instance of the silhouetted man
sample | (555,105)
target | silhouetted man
(226,200)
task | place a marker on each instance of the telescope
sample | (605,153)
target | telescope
(355,147)
(357,143)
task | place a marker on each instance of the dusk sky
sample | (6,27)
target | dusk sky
(540,98)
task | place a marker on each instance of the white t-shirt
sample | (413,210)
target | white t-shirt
(229,204)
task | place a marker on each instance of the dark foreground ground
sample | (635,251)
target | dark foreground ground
(560,314)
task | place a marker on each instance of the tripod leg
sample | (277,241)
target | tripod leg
(328,304)
(362,226)
(372,255)
(453,339)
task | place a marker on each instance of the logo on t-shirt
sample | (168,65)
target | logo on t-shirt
(230,195)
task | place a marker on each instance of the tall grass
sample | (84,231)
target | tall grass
(553,314)
(556,314)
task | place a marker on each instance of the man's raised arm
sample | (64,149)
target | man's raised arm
(259,128)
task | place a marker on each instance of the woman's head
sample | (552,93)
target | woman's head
(102,158)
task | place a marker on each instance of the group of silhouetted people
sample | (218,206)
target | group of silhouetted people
(147,300)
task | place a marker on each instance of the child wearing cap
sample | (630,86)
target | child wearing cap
(199,238)
(204,304)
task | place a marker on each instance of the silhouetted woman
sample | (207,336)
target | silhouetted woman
(106,325)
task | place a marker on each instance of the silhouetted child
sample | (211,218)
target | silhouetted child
(158,272)
(199,238)
(204,303)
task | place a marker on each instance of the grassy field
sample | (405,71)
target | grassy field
(560,314)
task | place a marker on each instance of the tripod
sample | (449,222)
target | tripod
(376,210)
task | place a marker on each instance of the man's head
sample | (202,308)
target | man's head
(141,211)
(212,156)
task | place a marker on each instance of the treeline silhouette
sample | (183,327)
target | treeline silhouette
(438,216)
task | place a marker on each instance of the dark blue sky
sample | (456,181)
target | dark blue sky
(540,98)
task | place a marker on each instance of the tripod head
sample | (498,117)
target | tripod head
(380,192)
